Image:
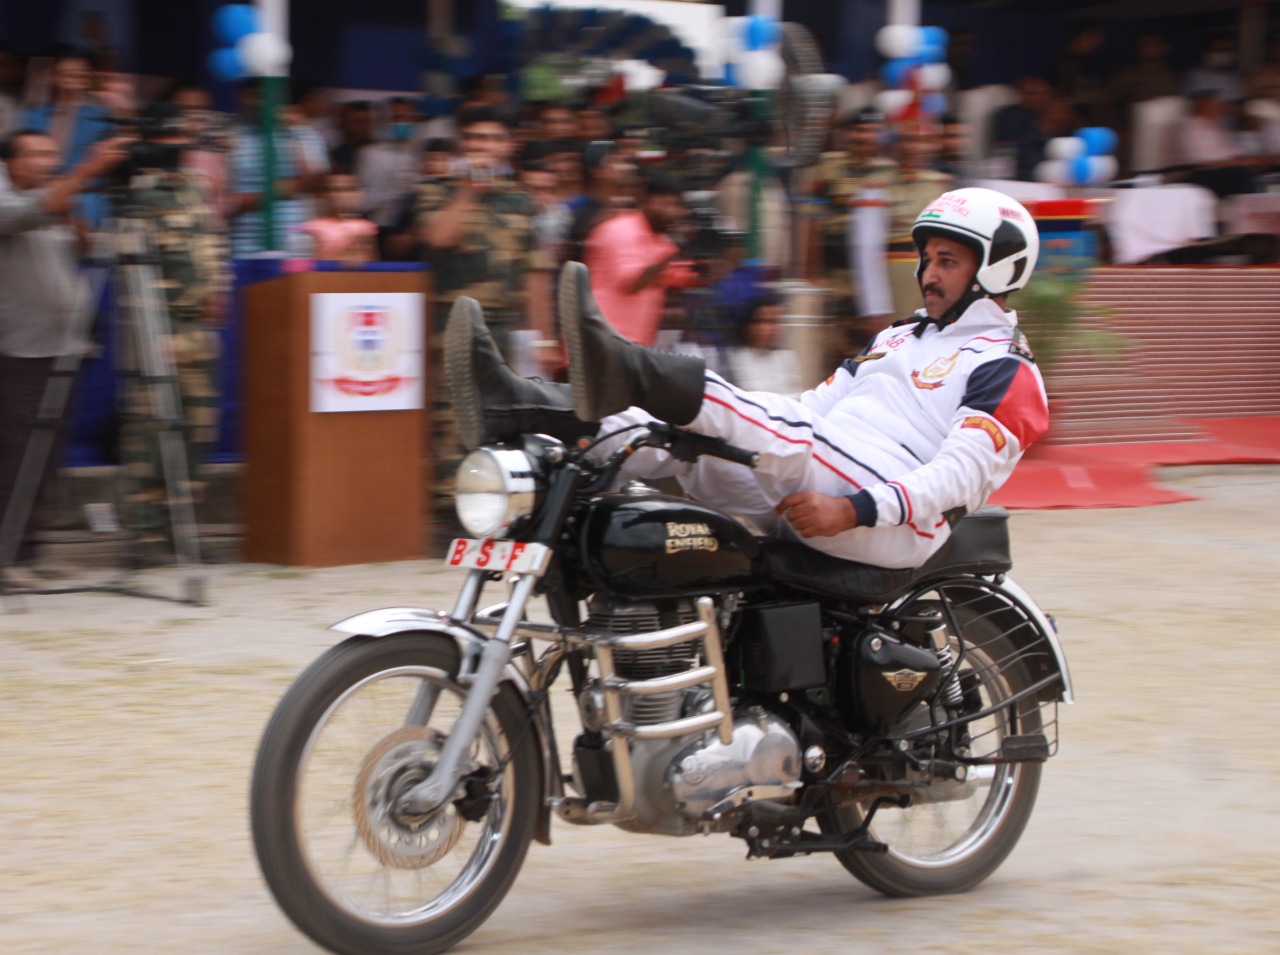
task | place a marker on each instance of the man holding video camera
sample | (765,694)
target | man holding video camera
(42,310)
(477,228)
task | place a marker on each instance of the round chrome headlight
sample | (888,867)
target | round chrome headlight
(496,487)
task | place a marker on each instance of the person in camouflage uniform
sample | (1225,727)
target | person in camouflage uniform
(919,141)
(477,229)
(840,182)
(191,256)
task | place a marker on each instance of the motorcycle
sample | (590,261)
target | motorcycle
(726,682)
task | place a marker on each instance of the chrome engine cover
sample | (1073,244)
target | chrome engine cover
(762,762)
(683,786)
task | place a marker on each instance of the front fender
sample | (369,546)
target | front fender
(393,620)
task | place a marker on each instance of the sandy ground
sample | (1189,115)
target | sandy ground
(129,726)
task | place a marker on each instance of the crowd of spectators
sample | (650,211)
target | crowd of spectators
(1225,131)
(1228,140)
(685,240)
(495,185)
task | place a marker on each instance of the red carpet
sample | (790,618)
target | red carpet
(1123,475)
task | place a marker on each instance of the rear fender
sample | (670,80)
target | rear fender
(394,620)
(1005,596)
(1048,627)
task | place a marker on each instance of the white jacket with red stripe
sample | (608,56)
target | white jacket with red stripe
(943,416)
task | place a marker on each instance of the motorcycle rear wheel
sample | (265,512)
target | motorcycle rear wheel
(347,870)
(944,847)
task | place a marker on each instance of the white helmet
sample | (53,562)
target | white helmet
(998,228)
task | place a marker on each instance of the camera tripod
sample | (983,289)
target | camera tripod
(143,326)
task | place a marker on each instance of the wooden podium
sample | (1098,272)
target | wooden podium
(323,489)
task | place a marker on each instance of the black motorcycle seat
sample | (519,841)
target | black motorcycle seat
(979,544)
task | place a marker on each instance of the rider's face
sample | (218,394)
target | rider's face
(948,271)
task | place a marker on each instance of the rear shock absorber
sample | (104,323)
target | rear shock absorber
(950,693)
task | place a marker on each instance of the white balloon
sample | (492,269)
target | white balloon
(761,69)
(1054,171)
(890,102)
(639,75)
(1064,147)
(934,76)
(265,54)
(898,40)
(1102,169)
(731,34)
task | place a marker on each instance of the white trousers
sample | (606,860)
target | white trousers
(796,454)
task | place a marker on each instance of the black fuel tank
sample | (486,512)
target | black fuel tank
(640,543)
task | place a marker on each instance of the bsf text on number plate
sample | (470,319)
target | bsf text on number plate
(513,556)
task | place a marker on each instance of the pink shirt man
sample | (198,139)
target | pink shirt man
(618,251)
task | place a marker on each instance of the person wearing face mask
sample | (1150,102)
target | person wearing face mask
(388,168)
(1218,71)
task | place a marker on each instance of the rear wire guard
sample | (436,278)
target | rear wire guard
(1026,646)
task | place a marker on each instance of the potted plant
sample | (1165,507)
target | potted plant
(1056,320)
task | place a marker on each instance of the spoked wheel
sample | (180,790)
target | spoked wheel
(955,834)
(359,728)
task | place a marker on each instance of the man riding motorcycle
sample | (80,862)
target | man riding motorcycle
(917,430)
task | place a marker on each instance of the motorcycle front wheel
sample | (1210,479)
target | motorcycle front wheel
(360,726)
(955,835)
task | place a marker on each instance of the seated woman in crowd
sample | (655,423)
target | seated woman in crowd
(761,363)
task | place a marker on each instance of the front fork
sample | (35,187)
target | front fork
(439,788)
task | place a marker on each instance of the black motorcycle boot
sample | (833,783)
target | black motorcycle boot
(491,401)
(609,373)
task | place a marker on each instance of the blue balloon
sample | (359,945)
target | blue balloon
(760,32)
(1098,140)
(933,36)
(894,73)
(234,22)
(934,102)
(1079,170)
(933,53)
(224,63)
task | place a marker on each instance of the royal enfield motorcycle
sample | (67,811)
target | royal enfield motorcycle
(726,682)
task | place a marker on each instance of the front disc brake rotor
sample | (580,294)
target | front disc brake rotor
(395,765)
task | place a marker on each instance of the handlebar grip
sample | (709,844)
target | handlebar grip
(688,446)
(737,455)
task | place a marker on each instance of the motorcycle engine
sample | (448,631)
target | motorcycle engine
(678,780)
